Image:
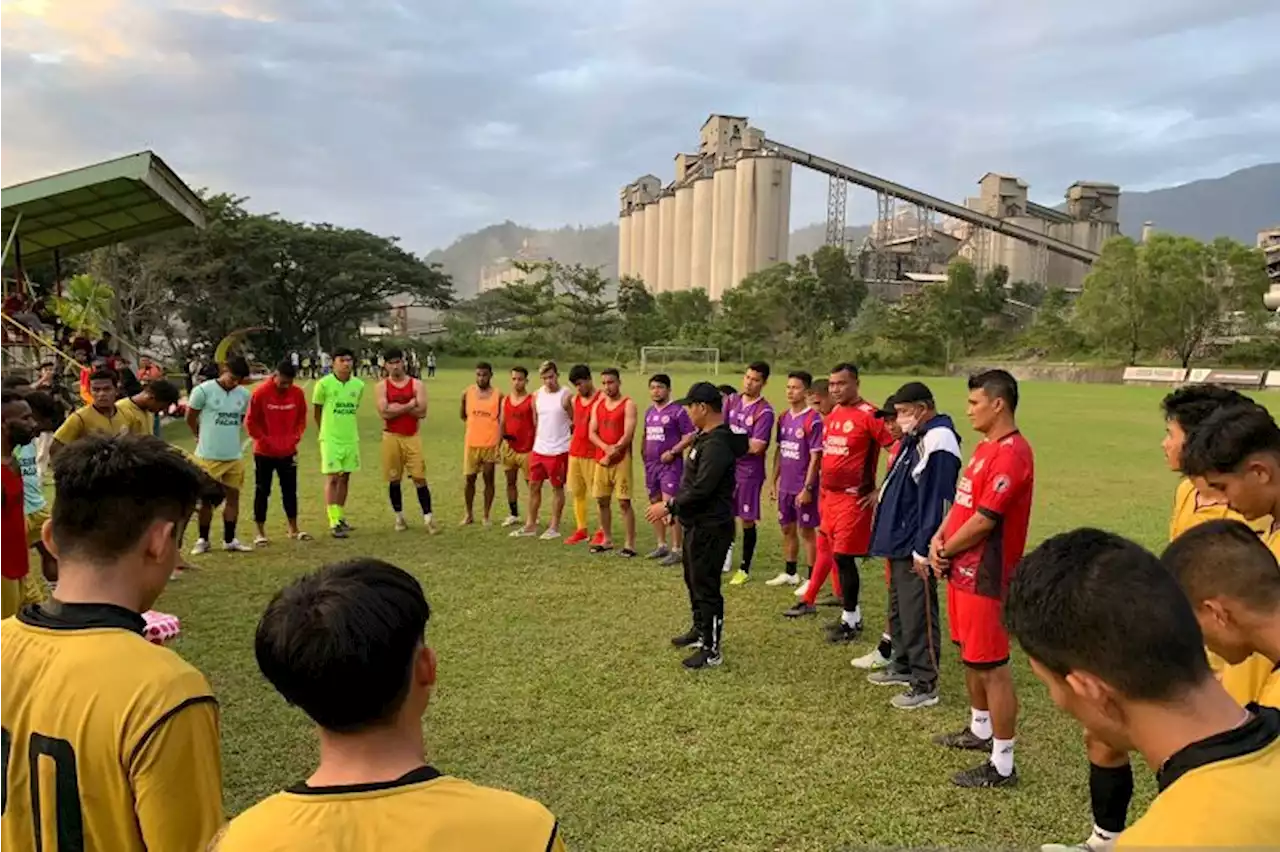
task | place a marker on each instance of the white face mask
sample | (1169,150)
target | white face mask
(907,423)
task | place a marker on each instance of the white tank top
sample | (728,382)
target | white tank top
(554,425)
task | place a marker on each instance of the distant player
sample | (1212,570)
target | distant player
(794,484)
(276,422)
(215,415)
(482,414)
(612,430)
(582,453)
(111,742)
(668,432)
(346,644)
(431,364)
(336,402)
(749,413)
(17,429)
(46,411)
(519,426)
(549,461)
(402,405)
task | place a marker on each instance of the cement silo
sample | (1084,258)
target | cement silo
(636,233)
(704,206)
(667,240)
(773,211)
(652,238)
(624,245)
(681,267)
(722,216)
(746,211)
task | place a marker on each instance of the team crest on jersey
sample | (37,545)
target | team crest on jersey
(1001,484)
(799,431)
(665,420)
(749,420)
(847,426)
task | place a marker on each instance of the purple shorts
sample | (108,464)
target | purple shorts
(662,478)
(789,513)
(746,499)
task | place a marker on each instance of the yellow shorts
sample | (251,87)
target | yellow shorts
(35,525)
(402,454)
(613,480)
(582,475)
(511,460)
(475,458)
(228,474)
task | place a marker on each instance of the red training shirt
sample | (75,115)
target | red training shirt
(402,424)
(998,483)
(276,419)
(852,436)
(580,446)
(518,425)
(611,423)
(13,527)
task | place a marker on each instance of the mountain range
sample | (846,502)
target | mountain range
(1236,205)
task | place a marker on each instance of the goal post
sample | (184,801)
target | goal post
(683,358)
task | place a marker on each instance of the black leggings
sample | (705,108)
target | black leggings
(287,469)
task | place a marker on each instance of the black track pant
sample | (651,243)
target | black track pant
(705,548)
(913,623)
(287,469)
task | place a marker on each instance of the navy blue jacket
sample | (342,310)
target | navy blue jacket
(918,491)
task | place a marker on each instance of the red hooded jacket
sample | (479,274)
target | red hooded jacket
(276,419)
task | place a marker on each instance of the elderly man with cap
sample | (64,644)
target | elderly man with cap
(915,497)
(705,509)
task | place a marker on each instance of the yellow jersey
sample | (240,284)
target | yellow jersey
(140,422)
(423,811)
(110,741)
(1246,681)
(125,418)
(1217,792)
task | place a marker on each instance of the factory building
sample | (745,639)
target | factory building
(1269,242)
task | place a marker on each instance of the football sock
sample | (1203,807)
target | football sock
(333,513)
(228,531)
(980,723)
(791,568)
(886,646)
(514,506)
(1110,790)
(204,531)
(1002,756)
(424,498)
(748,548)
(580,510)
(852,617)
(847,569)
(397,499)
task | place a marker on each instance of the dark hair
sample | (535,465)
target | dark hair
(163,391)
(9,396)
(1227,437)
(1191,405)
(845,367)
(339,642)
(104,374)
(238,366)
(285,368)
(819,387)
(485,365)
(726,390)
(112,488)
(611,371)
(806,379)
(13,381)
(524,371)
(662,379)
(1089,600)
(44,405)
(578,373)
(343,352)
(392,354)
(761,367)
(1225,557)
(997,384)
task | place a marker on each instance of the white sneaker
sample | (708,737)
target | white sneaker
(430,524)
(550,535)
(871,661)
(803,589)
(236,546)
(401,524)
(1097,842)
(511,521)
(523,532)
(201,547)
(784,579)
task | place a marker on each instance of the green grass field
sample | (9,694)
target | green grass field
(557,679)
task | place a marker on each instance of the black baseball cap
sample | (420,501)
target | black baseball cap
(703,392)
(910,394)
(887,411)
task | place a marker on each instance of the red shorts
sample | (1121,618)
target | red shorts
(977,628)
(845,522)
(551,468)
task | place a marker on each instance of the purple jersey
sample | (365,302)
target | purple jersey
(755,420)
(663,429)
(799,437)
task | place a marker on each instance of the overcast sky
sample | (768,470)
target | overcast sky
(431,118)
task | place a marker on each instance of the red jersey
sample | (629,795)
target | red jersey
(13,526)
(611,423)
(998,483)
(276,419)
(404,424)
(518,425)
(580,446)
(852,436)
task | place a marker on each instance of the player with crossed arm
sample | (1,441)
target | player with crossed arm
(612,430)
(402,404)
(519,426)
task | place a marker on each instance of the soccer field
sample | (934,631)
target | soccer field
(557,679)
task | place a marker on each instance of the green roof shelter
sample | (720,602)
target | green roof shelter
(111,202)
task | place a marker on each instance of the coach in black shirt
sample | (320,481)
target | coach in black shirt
(704,507)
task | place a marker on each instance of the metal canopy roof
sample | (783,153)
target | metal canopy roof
(98,205)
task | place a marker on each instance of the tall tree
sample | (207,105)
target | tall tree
(839,290)
(586,312)
(530,303)
(1116,306)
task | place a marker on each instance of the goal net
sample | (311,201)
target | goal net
(687,359)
